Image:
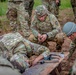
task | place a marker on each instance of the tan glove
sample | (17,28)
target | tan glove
(60,38)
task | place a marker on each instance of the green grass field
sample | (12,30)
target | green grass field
(3,5)
(65,4)
(3,8)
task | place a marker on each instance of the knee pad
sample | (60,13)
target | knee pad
(12,14)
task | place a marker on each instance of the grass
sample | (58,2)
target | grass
(3,8)
(37,2)
(64,4)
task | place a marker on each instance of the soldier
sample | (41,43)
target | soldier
(70,30)
(52,6)
(73,3)
(44,27)
(21,11)
(18,51)
(71,33)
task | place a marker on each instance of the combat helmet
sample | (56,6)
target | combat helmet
(41,10)
(69,28)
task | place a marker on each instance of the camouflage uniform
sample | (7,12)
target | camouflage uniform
(72,47)
(73,3)
(29,6)
(52,6)
(72,61)
(24,11)
(50,26)
(17,50)
(69,29)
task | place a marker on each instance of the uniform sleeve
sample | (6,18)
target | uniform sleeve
(72,49)
(33,27)
(56,27)
(39,49)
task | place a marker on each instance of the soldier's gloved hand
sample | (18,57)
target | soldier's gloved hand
(60,38)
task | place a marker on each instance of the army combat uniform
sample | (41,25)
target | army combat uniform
(23,13)
(50,26)
(73,60)
(70,33)
(17,50)
(72,47)
(52,6)
(69,29)
(73,3)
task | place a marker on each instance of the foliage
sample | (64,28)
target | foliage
(65,4)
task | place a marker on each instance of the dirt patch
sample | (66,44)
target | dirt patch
(65,16)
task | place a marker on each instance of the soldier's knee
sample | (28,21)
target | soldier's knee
(12,14)
(59,39)
(52,46)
